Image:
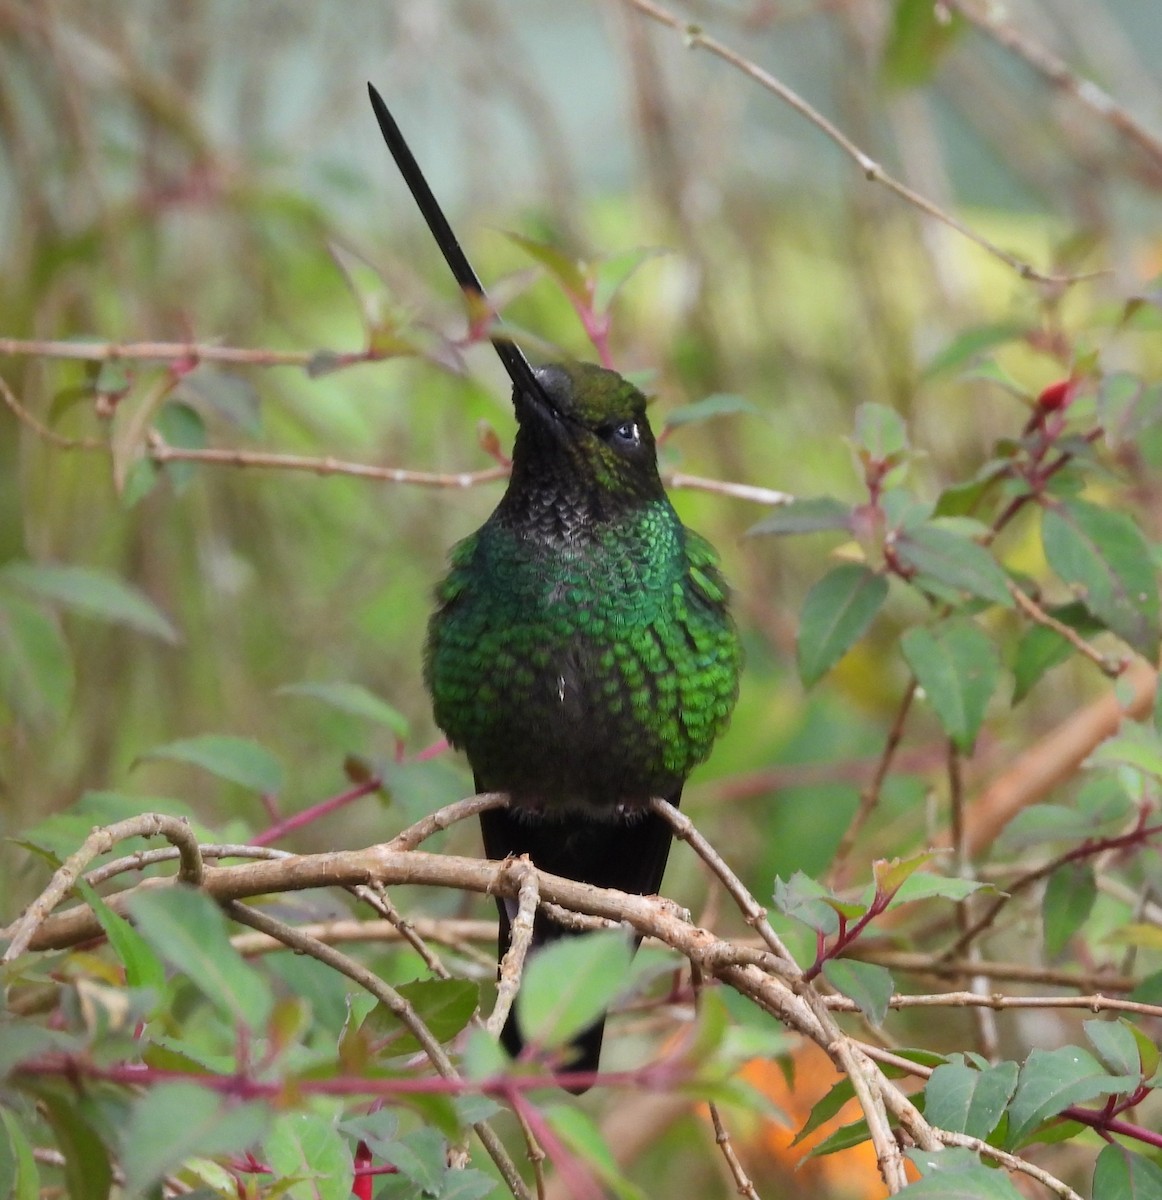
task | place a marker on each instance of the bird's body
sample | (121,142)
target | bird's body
(581,653)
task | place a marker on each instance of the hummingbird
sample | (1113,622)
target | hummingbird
(582,652)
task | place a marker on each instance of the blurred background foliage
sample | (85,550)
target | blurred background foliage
(211,172)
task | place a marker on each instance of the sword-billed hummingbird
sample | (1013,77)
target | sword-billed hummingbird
(581,653)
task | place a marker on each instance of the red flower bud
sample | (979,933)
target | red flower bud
(1056,395)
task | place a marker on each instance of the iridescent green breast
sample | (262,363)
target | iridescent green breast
(594,670)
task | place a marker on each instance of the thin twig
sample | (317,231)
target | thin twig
(512,965)
(998,1001)
(162,453)
(159,451)
(398,1006)
(447,931)
(148,858)
(742,1181)
(415,835)
(929,964)
(1138,836)
(1011,1161)
(1113,667)
(987,19)
(873,171)
(40,429)
(182,352)
(753,913)
(984,1021)
(869,797)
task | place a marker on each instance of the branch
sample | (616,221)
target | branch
(1113,667)
(190,353)
(753,912)
(22,932)
(872,170)
(521,940)
(1055,71)
(997,1001)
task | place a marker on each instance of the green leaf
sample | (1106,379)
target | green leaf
(189,931)
(143,968)
(880,435)
(568,272)
(890,874)
(308,1147)
(827,1107)
(957,666)
(93,593)
(1104,557)
(720,404)
(232,396)
(183,428)
(467,1184)
(577,1129)
(1135,745)
(836,613)
(1116,1045)
(964,1100)
(176,1121)
(1069,897)
(971,343)
(351,698)
(814,515)
(1102,806)
(868,984)
(1149,989)
(19,1178)
(444,1005)
(972,1183)
(805,899)
(236,759)
(1051,1080)
(421,1156)
(36,669)
(483,1057)
(595,966)
(1041,649)
(1126,408)
(1120,1174)
(924,886)
(919,35)
(843,1138)
(88,1173)
(944,557)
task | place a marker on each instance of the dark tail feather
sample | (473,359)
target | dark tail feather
(628,854)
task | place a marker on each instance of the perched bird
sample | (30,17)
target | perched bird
(581,653)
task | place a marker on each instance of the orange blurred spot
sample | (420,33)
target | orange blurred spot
(847,1173)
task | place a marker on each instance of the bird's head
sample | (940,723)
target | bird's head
(586,426)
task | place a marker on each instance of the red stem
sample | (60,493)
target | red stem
(317,811)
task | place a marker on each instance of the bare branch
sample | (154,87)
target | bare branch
(1112,667)
(521,940)
(175,829)
(753,912)
(998,1001)
(871,169)
(1055,71)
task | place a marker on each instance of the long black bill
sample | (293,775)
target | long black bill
(515,363)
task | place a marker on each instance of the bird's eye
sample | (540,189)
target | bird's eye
(624,436)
